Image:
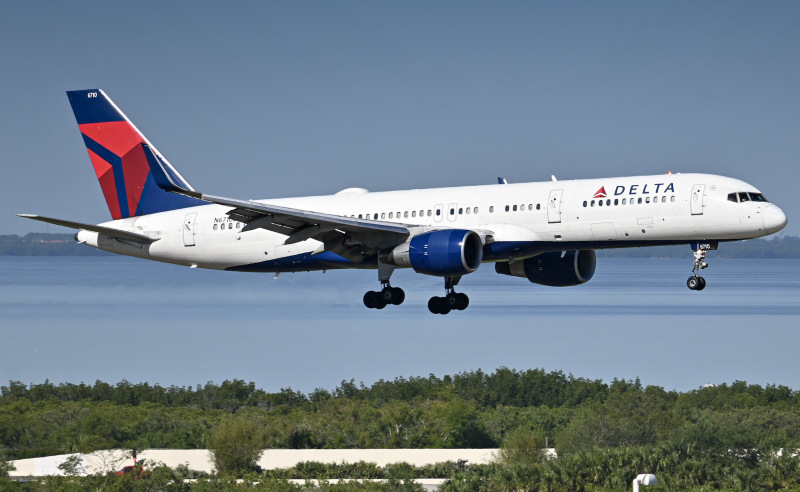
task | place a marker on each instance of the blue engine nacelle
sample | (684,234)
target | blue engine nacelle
(444,253)
(556,269)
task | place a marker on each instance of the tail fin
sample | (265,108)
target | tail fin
(116,149)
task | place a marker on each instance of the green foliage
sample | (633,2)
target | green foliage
(72,466)
(5,466)
(236,444)
(523,447)
(470,409)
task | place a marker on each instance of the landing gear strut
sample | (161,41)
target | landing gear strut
(453,299)
(696,282)
(388,294)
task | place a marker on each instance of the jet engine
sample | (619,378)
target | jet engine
(444,253)
(556,269)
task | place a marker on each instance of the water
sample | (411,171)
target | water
(112,318)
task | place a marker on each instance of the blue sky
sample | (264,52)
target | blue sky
(273,99)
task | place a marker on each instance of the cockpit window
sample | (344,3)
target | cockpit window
(747,197)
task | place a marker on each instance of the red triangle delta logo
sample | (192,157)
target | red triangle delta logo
(601,193)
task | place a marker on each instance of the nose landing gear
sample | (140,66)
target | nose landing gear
(453,300)
(696,282)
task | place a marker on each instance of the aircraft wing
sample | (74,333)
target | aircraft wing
(108,231)
(349,237)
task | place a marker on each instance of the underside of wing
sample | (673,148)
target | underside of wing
(349,237)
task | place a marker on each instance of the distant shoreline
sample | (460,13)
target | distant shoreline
(41,244)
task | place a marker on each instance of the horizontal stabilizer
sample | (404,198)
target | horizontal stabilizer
(108,231)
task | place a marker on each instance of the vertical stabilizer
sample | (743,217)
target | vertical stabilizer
(117,153)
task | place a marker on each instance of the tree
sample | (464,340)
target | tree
(5,466)
(523,447)
(236,444)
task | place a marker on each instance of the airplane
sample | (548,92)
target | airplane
(546,232)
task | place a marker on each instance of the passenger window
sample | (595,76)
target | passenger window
(461,211)
(608,202)
(491,209)
(376,217)
(405,214)
(429,213)
(215,227)
(238,225)
(647,200)
(230,225)
(522,207)
(438,212)
(475,210)
(413,213)
(515,208)
(599,203)
(508,208)
(468,209)
(584,204)
(624,200)
(672,198)
(593,203)
(452,211)
(390,215)
(640,201)
(616,201)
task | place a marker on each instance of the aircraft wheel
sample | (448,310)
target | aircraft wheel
(369,299)
(451,300)
(433,305)
(693,282)
(387,295)
(462,301)
(398,296)
(702,284)
(438,305)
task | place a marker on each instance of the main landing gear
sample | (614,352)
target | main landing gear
(453,299)
(382,298)
(696,282)
(388,294)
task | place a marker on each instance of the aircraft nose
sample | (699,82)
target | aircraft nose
(774,219)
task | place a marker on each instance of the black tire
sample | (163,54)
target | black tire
(369,299)
(387,295)
(702,284)
(451,300)
(398,296)
(692,282)
(462,301)
(434,305)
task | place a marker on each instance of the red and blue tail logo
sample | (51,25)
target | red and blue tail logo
(116,150)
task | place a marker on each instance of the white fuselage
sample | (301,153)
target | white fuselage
(521,220)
